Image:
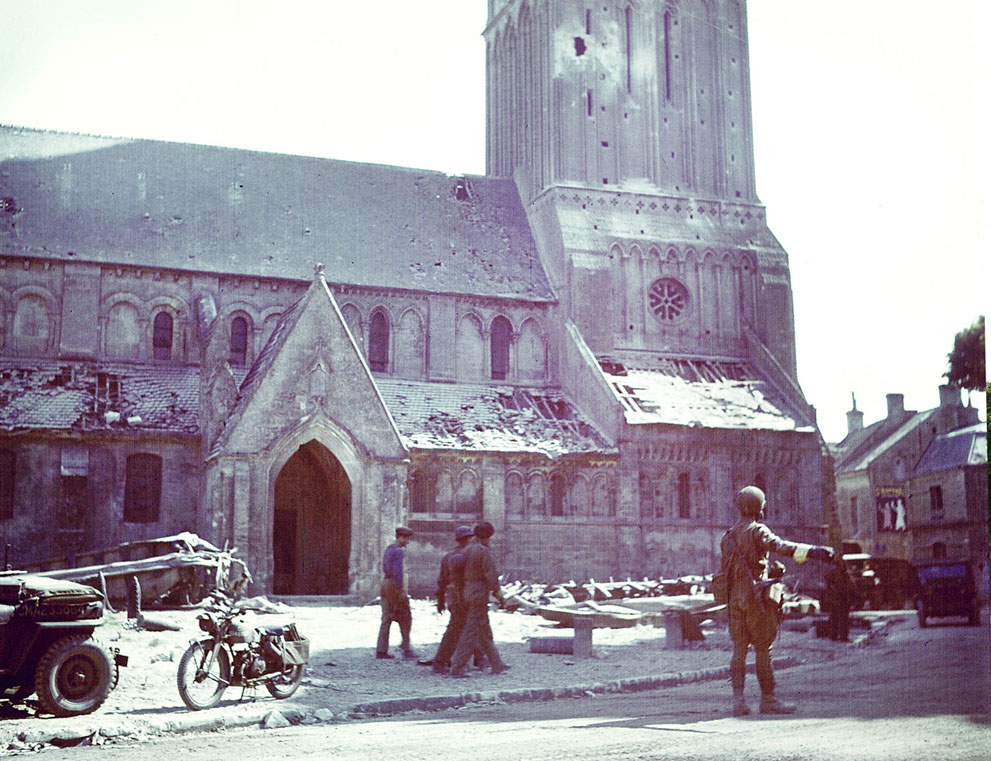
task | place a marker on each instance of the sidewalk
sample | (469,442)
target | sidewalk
(344,680)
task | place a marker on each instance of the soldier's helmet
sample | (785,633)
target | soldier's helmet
(750,501)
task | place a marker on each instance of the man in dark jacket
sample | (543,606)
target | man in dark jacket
(838,599)
(395,602)
(753,614)
(450,593)
(481,580)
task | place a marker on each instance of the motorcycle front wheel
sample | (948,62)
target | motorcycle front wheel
(285,684)
(204,673)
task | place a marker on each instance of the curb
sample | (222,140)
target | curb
(635,684)
(290,715)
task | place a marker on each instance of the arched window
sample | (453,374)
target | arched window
(501,334)
(514,495)
(32,326)
(420,497)
(8,460)
(378,343)
(469,500)
(444,495)
(122,337)
(239,341)
(558,491)
(162,336)
(469,350)
(535,496)
(142,488)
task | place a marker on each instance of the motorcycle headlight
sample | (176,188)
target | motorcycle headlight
(207,624)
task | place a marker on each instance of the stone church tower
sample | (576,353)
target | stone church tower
(629,126)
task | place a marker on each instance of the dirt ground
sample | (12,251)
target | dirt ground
(344,672)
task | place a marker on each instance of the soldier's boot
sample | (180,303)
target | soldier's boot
(770,704)
(737,678)
(740,707)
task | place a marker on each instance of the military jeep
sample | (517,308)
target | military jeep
(47,645)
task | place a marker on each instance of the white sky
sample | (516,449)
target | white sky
(869,127)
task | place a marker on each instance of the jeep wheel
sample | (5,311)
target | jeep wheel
(974,617)
(74,676)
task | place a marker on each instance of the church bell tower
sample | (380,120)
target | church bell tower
(627,126)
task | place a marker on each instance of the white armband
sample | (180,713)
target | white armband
(802,553)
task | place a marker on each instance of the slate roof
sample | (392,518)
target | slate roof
(61,395)
(694,391)
(874,440)
(489,418)
(224,210)
(955,449)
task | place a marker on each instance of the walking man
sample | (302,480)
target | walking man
(753,614)
(481,580)
(450,592)
(395,602)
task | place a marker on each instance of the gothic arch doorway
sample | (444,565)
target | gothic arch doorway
(311,529)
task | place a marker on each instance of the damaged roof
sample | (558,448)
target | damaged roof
(86,396)
(694,391)
(882,436)
(479,417)
(955,449)
(211,209)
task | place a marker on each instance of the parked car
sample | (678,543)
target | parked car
(947,588)
(47,644)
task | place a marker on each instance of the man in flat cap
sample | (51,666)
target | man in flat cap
(395,601)
(753,613)
(450,593)
(481,580)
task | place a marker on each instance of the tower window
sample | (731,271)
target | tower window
(378,343)
(588,101)
(239,341)
(579,46)
(499,350)
(162,336)
(667,55)
(684,496)
(629,49)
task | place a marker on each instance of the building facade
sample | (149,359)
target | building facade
(592,346)
(914,485)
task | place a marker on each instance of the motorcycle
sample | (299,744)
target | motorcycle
(236,655)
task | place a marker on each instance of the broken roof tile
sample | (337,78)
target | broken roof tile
(696,391)
(480,417)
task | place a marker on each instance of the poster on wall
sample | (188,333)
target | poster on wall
(889,505)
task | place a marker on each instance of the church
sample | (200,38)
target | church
(591,346)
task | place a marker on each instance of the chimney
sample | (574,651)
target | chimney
(896,404)
(854,418)
(949,396)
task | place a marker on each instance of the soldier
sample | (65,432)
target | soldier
(839,597)
(450,591)
(395,602)
(753,616)
(481,580)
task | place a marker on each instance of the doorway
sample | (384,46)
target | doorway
(311,526)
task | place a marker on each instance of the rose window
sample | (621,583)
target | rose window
(668,299)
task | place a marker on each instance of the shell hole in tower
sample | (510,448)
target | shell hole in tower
(579,46)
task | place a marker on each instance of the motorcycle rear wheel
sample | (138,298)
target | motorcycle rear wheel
(286,683)
(201,687)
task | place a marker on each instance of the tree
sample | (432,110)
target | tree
(966,361)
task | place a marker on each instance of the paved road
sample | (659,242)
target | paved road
(925,694)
